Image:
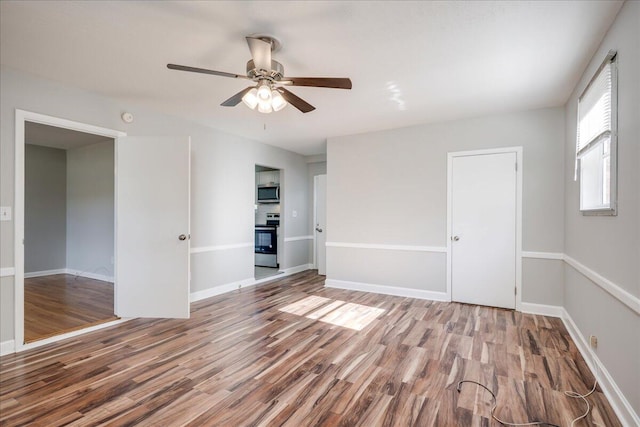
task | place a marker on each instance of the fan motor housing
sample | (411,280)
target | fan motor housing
(276,73)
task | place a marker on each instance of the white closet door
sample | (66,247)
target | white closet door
(320,190)
(483,247)
(152,227)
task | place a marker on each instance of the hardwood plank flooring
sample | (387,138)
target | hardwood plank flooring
(241,360)
(63,303)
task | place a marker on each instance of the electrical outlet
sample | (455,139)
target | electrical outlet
(593,341)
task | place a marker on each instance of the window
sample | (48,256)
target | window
(596,141)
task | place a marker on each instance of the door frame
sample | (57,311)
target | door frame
(283,217)
(518,152)
(21,117)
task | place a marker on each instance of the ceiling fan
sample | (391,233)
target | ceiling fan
(269,94)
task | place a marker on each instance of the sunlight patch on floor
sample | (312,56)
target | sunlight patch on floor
(335,312)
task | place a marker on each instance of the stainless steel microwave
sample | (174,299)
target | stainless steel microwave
(269,193)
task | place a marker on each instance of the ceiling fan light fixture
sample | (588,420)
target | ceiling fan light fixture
(265,107)
(250,99)
(264,93)
(277,101)
(268,76)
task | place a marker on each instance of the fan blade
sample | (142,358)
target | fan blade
(205,71)
(336,83)
(235,99)
(260,52)
(296,101)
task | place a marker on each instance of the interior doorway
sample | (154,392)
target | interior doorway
(269,239)
(484,215)
(22,120)
(69,227)
(151,276)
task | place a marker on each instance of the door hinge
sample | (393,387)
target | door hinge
(515,291)
(516,166)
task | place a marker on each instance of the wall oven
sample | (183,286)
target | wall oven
(266,245)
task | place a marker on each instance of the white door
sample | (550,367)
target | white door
(320,232)
(152,227)
(483,229)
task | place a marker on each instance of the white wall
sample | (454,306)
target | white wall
(45,208)
(610,246)
(90,209)
(223,180)
(264,209)
(390,188)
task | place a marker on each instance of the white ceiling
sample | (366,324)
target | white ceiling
(55,137)
(410,62)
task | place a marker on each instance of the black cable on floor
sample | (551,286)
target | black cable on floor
(495,404)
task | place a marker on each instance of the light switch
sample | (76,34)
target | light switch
(294,214)
(5,213)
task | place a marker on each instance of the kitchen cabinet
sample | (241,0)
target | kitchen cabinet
(268,177)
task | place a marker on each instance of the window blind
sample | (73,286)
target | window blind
(594,110)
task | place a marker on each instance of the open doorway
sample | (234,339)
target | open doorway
(69,229)
(268,237)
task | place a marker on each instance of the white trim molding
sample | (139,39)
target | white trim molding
(543,255)
(90,275)
(244,283)
(296,238)
(220,289)
(542,309)
(7,347)
(221,247)
(71,334)
(297,269)
(45,273)
(616,291)
(7,272)
(387,290)
(411,248)
(621,406)
(71,272)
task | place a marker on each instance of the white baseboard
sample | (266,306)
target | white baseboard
(542,309)
(386,290)
(89,275)
(221,289)
(618,401)
(45,273)
(7,347)
(71,334)
(70,271)
(245,283)
(297,269)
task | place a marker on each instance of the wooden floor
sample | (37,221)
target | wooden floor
(63,303)
(241,360)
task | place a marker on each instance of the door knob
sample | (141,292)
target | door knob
(182,237)
(455,238)
(319,230)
